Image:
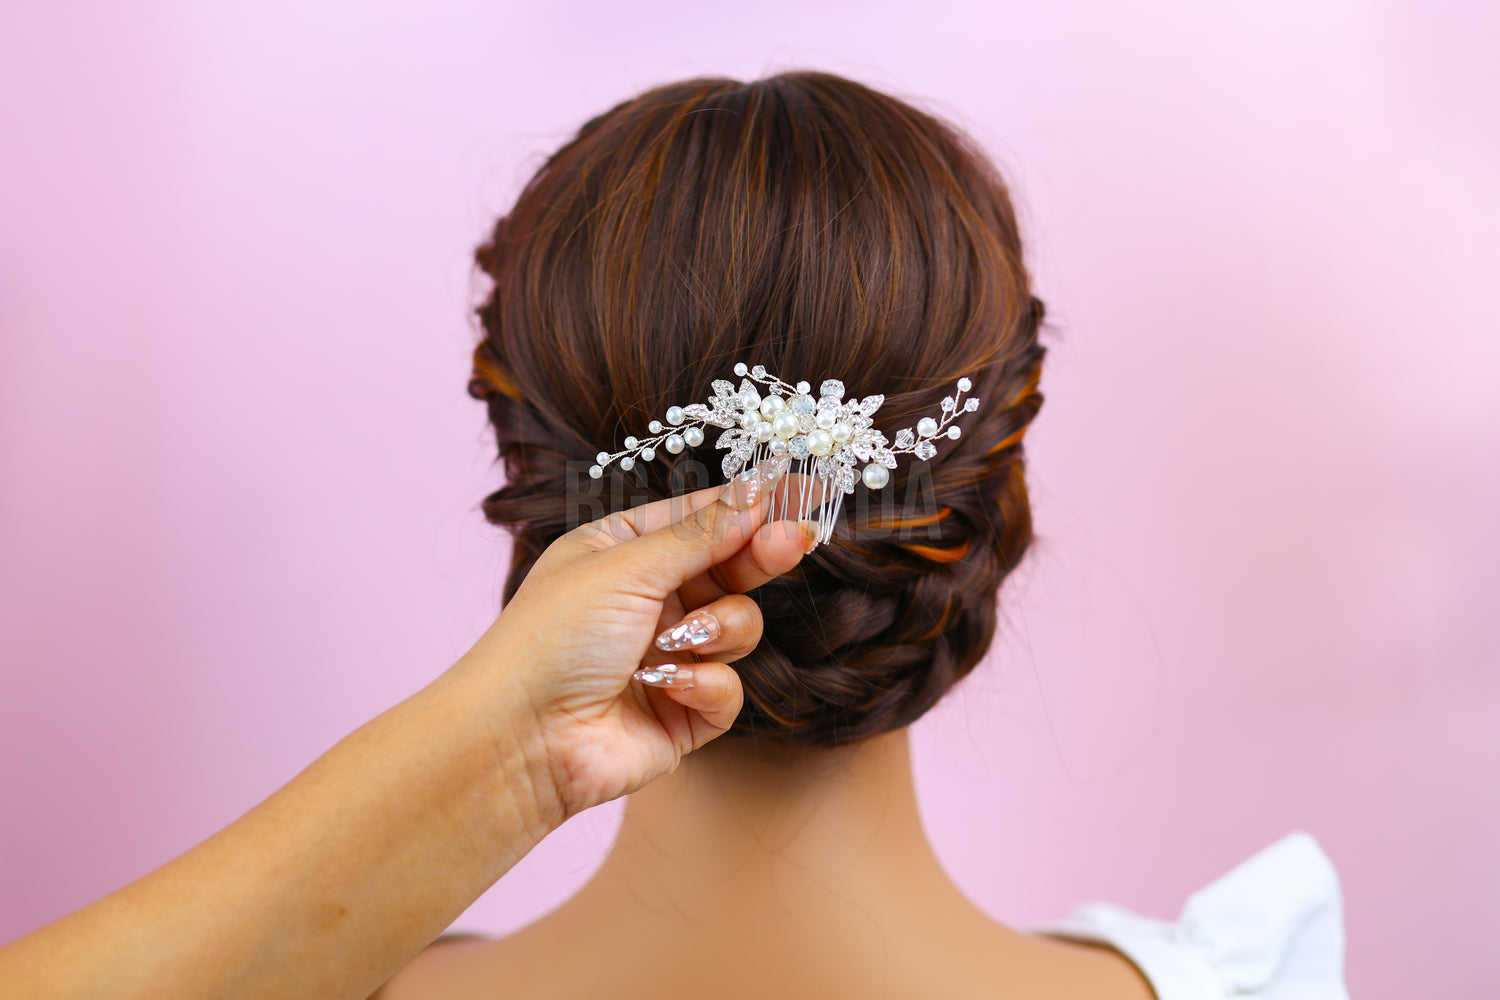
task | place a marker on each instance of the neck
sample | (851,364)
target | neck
(737,832)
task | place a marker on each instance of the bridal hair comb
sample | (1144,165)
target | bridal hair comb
(827,436)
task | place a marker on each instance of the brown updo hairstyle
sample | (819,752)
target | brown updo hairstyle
(825,230)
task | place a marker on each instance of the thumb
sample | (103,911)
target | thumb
(676,552)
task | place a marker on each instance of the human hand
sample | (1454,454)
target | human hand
(584,619)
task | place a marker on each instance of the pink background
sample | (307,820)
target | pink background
(239,476)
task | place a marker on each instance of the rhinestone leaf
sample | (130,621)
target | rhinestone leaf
(905,438)
(870,404)
(884,456)
(723,388)
(696,411)
(823,467)
(926,449)
(732,464)
(844,479)
(861,450)
(728,438)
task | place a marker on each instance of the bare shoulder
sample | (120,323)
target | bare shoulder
(968,960)
(1084,968)
(450,966)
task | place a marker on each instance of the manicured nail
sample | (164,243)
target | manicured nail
(741,492)
(694,630)
(809,531)
(668,675)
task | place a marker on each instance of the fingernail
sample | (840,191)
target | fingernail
(809,531)
(694,630)
(668,675)
(741,492)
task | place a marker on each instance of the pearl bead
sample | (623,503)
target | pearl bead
(826,418)
(693,436)
(964,385)
(602,457)
(771,405)
(778,447)
(764,431)
(749,419)
(876,476)
(954,432)
(804,387)
(750,399)
(675,415)
(631,442)
(674,442)
(819,442)
(627,463)
(926,427)
(654,427)
(785,425)
(595,472)
(741,368)
(841,431)
(647,454)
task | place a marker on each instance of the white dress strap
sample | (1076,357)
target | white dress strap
(1271,928)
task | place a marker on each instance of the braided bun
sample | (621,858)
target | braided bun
(819,227)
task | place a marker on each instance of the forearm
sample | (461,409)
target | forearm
(333,883)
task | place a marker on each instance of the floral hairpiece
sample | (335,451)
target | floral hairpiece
(828,436)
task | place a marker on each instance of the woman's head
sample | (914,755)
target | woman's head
(825,230)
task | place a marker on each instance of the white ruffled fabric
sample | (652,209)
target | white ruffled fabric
(1271,928)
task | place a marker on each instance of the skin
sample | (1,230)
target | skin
(343,875)
(814,865)
(744,873)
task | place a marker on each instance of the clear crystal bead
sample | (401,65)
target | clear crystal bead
(802,404)
(832,387)
(797,447)
(693,632)
(926,449)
